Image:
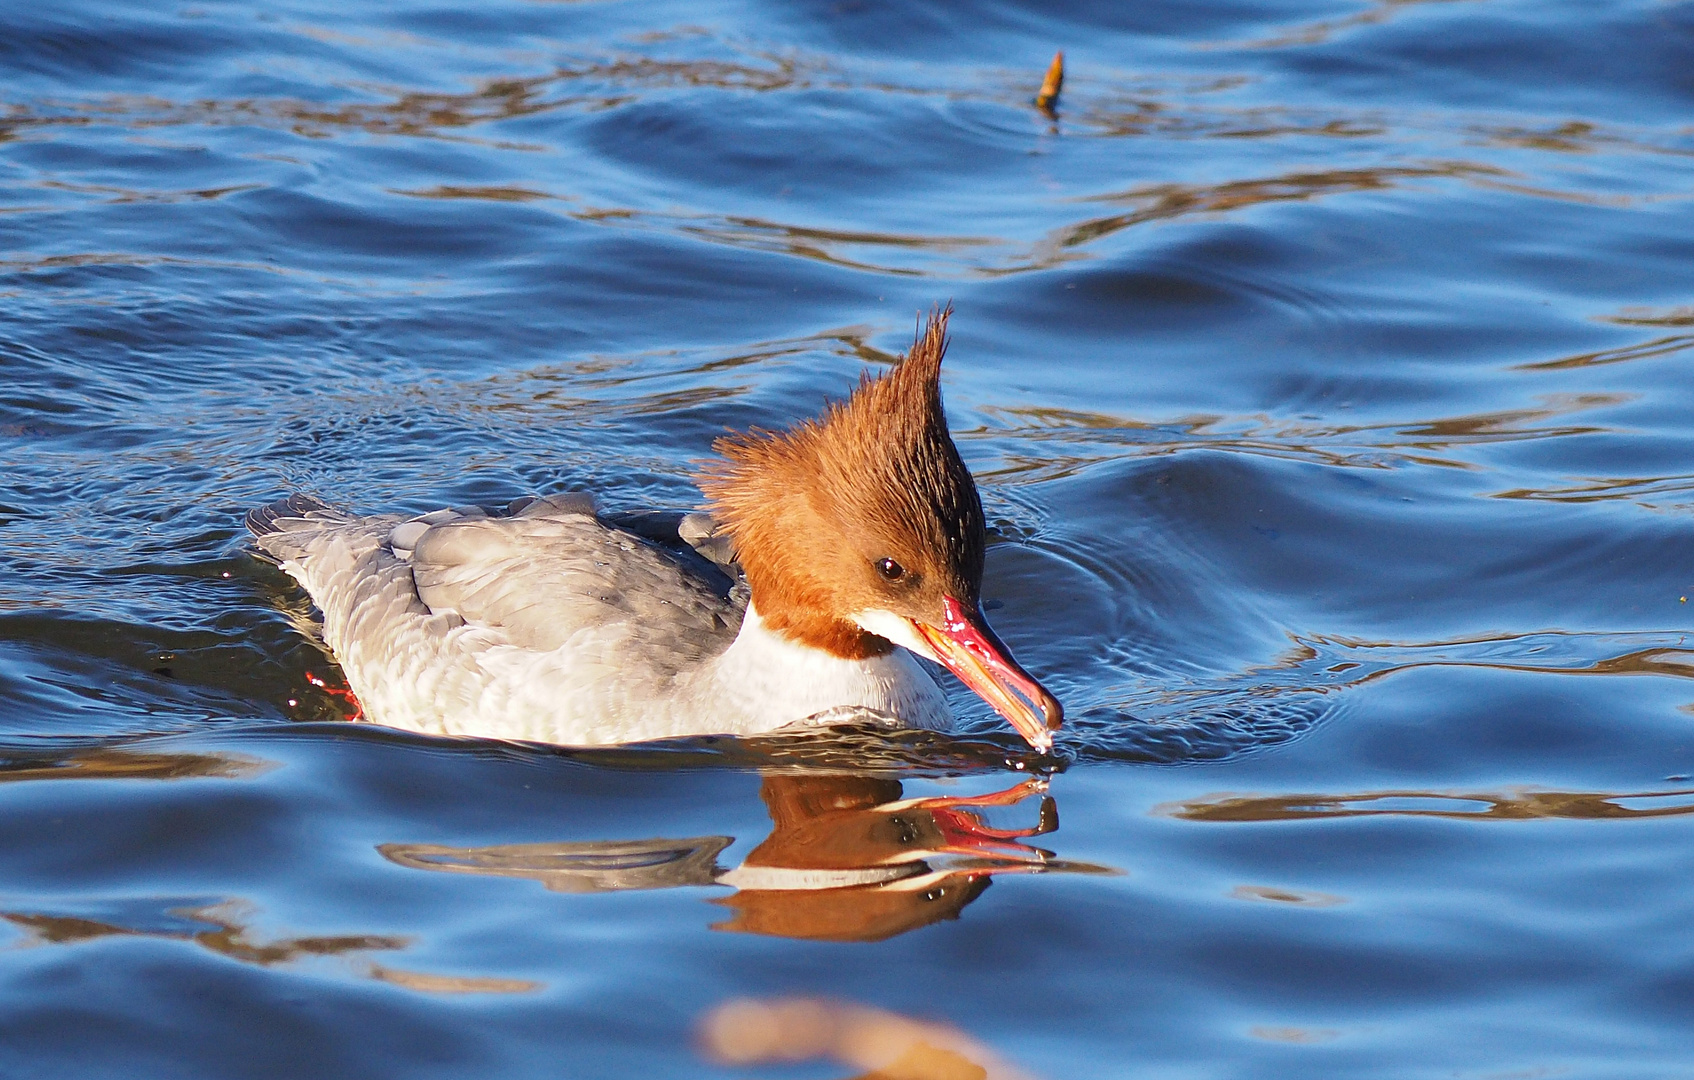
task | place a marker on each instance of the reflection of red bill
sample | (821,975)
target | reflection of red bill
(970,650)
(345,694)
(965,833)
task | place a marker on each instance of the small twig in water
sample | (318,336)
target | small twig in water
(1050,86)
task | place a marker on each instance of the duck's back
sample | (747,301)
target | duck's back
(545,623)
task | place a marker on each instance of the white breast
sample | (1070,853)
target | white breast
(770,681)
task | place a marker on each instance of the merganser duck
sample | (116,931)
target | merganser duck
(831,553)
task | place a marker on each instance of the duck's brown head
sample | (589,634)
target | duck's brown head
(862,530)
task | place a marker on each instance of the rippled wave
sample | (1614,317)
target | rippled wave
(1324,371)
(1046,235)
(1524,805)
(1374,446)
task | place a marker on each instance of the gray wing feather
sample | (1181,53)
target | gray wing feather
(545,573)
(545,577)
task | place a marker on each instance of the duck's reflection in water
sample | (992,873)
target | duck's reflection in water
(847,859)
(890,1046)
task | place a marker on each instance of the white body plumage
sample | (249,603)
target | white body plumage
(555,626)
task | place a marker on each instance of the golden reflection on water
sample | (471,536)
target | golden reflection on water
(426,983)
(1515,805)
(1291,897)
(34,264)
(1646,491)
(1498,652)
(1299,1035)
(114,763)
(1576,137)
(492,193)
(1316,33)
(223,929)
(847,859)
(430,114)
(1662,346)
(1373,446)
(224,934)
(543,391)
(1148,112)
(886,1045)
(1163,202)
(755,233)
(1646,316)
(118,195)
(853,249)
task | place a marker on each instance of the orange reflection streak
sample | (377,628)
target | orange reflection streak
(492,193)
(1576,137)
(225,934)
(751,233)
(1290,897)
(1320,665)
(1603,489)
(1163,202)
(123,258)
(888,1045)
(1642,316)
(1316,33)
(1296,1034)
(128,195)
(426,983)
(1654,660)
(1521,805)
(112,763)
(420,113)
(612,370)
(1380,446)
(1663,346)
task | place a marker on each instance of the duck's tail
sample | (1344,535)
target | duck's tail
(282,530)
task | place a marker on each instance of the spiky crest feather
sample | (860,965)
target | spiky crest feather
(876,475)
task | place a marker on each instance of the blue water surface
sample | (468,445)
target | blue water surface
(1324,367)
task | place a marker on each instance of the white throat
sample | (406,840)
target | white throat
(774,680)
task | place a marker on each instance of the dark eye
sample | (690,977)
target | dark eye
(890,570)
